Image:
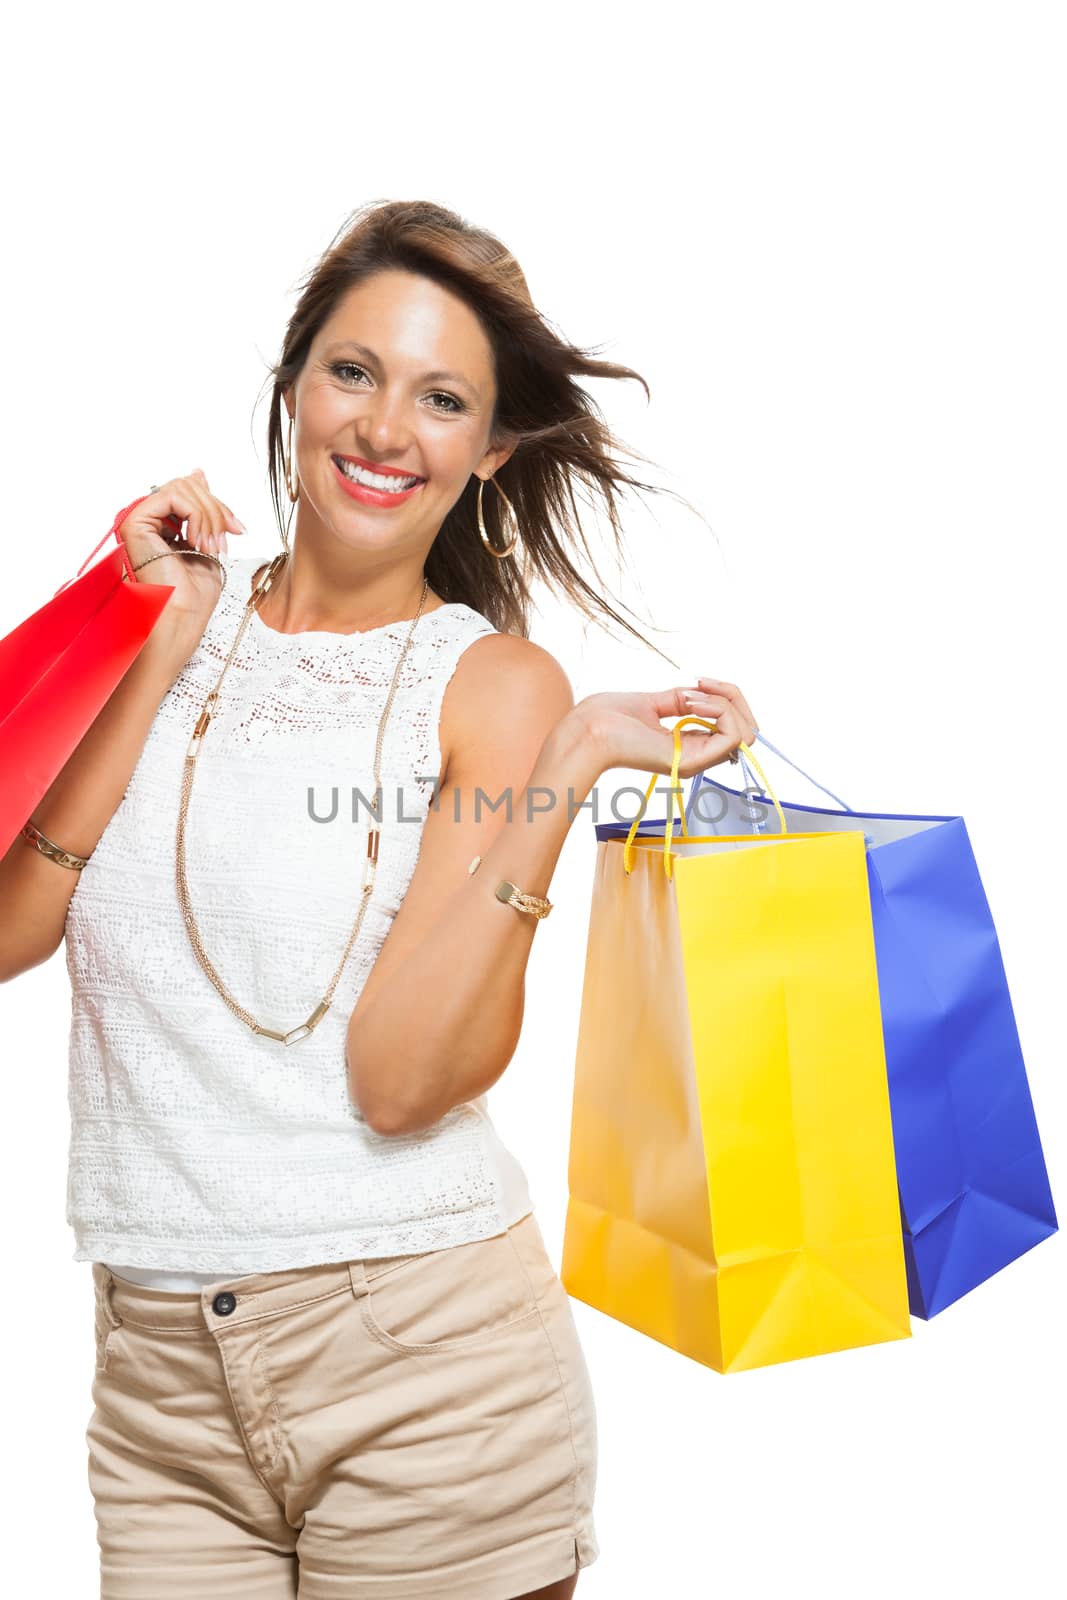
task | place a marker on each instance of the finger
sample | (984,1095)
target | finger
(210,521)
(709,750)
(173,504)
(233,524)
(172,522)
(219,521)
(733,693)
(678,701)
(224,521)
(194,527)
(697,699)
(701,751)
(706,705)
(214,517)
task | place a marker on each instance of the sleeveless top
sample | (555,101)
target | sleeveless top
(200,1150)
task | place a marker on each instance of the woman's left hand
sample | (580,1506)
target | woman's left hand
(625,729)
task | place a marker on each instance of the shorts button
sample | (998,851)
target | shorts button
(224,1303)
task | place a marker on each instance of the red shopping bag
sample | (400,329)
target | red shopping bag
(59,668)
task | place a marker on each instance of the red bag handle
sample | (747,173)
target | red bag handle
(120,518)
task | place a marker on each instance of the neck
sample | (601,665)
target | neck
(302,600)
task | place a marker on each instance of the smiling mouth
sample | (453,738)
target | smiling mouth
(384,482)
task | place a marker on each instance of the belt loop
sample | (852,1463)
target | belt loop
(358,1278)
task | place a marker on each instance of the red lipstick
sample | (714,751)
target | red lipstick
(378,466)
(374,497)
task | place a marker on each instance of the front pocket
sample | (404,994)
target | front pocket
(446,1299)
(104,1331)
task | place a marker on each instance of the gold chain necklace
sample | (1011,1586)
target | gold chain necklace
(370,863)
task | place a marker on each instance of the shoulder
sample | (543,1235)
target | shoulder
(505,690)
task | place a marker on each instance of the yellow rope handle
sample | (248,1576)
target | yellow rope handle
(668,832)
(628,847)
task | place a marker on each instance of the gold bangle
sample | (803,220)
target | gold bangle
(62,858)
(511,896)
(506,892)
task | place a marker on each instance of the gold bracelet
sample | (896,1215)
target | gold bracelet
(534,904)
(62,858)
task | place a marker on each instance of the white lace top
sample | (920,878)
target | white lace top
(199,1149)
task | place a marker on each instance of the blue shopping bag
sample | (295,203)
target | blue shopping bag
(971,1176)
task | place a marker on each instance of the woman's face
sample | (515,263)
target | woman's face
(400,377)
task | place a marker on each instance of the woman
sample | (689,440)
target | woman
(331,1349)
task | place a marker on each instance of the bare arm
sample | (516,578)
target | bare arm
(75,810)
(453,944)
(440,1014)
(34,891)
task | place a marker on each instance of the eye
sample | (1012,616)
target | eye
(452,406)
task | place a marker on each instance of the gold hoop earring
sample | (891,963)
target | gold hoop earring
(499,554)
(287,458)
(287,462)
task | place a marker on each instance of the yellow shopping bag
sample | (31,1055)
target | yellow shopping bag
(732,1182)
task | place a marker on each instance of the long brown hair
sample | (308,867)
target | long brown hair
(563,438)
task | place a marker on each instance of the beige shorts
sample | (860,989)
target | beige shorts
(405,1427)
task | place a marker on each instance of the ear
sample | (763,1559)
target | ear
(495,458)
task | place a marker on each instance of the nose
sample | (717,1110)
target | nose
(384,426)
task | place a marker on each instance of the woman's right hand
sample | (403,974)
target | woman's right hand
(151,529)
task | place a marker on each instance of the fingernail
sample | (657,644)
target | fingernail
(239,526)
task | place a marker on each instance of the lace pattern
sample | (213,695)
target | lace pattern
(195,1144)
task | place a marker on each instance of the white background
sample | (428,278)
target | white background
(832,237)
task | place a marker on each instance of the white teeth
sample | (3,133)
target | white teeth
(374,480)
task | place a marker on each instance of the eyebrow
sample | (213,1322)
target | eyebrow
(428,377)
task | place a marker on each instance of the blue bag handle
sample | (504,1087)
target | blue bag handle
(751,782)
(762,738)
